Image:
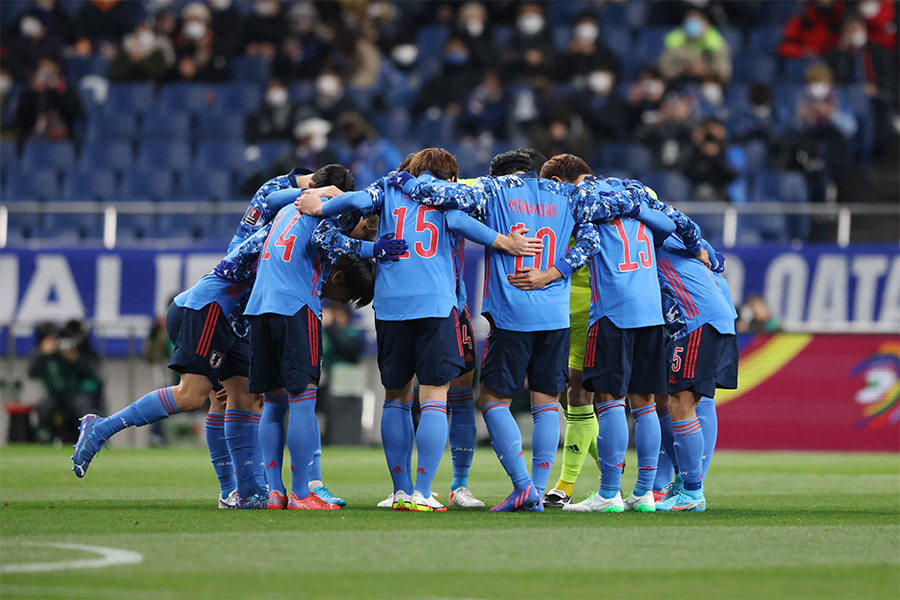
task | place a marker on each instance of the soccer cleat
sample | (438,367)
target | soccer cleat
(229,501)
(310,502)
(464,498)
(387,502)
(419,503)
(645,503)
(325,496)
(401,501)
(556,498)
(596,503)
(277,500)
(85,447)
(657,496)
(685,501)
(674,488)
(254,502)
(519,500)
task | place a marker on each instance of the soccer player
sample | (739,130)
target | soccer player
(529,330)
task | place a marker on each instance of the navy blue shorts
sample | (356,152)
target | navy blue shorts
(468,340)
(285,352)
(511,356)
(621,361)
(729,356)
(694,361)
(431,349)
(206,345)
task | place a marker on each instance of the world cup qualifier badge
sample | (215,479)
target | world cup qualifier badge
(252,216)
(215,359)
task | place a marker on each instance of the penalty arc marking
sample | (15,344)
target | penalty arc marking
(109,557)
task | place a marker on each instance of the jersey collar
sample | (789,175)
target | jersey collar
(298,172)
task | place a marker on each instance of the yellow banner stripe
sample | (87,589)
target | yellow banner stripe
(767,360)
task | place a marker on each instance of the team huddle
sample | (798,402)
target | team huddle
(649,324)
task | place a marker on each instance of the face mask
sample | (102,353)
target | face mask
(818,90)
(586,32)
(474,28)
(869,9)
(858,39)
(144,38)
(654,87)
(30,27)
(317,143)
(276,96)
(457,57)
(220,4)
(194,30)
(712,93)
(600,82)
(5,83)
(762,111)
(266,8)
(405,54)
(530,24)
(693,27)
(328,86)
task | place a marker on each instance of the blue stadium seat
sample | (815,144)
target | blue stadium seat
(250,68)
(670,186)
(734,37)
(171,126)
(302,91)
(207,185)
(765,40)
(65,225)
(710,227)
(42,184)
(793,70)
(9,156)
(158,154)
(753,68)
(501,36)
(629,14)
(156,184)
(191,97)
(112,127)
(630,157)
(220,127)
(130,98)
(650,44)
(438,131)
(395,125)
(81,66)
(220,227)
(431,40)
(779,13)
(221,155)
(240,97)
(787,187)
(135,226)
(39,154)
(90,185)
(736,94)
(757,154)
(24,226)
(177,226)
(617,38)
(106,155)
(562,36)
(269,152)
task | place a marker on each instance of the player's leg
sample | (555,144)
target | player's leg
(316,486)
(431,436)
(709,424)
(580,438)
(665,467)
(462,434)
(218,450)
(242,437)
(271,441)
(548,375)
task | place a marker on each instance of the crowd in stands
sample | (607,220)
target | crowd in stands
(707,99)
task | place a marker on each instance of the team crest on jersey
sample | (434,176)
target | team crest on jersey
(252,216)
(216,358)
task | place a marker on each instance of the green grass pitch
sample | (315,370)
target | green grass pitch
(778,526)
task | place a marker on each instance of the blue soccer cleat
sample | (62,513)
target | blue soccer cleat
(685,501)
(326,496)
(527,499)
(86,446)
(254,502)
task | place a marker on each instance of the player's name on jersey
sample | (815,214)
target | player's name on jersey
(529,208)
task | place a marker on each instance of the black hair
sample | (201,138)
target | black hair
(337,175)
(510,162)
(358,278)
(537,158)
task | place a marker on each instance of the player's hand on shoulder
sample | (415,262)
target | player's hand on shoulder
(309,204)
(516,244)
(329,191)
(387,248)
(703,256)
(398,179)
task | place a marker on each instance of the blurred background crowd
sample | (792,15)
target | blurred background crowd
(736,101)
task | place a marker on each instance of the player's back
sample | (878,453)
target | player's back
(290,267)
(422,283)
(694,287)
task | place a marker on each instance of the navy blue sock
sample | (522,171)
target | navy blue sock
(611,445)
(272,438)
(301,438)
(709,424)
(647,443)
(241,437)
(689,451)
(396,437)
(431,439)
(153,407)
(544,443)
(462,434)
(218,452)
(506,439)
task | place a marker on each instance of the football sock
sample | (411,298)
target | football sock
(581,426)
(666,436)
(271,439)
(709,424)
(544,443)
(611,445)
(153,407)
(689,452)
(218,452)
(301,438)
(412,438)
(506,439)
(240,435)
(259,467)
(646,442)
(592,448)
(664,471)
(396,437)
(431,439)
(315,465)
(462,434)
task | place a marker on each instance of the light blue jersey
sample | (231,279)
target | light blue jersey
(266,203)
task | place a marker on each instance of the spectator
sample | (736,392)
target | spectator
(102,23)
(330,100)
(881,23)
(815,31)
(587,52)
(704,162)
(756,119)
(401,77)
(605,114)
(472,30)
(228,28)
(370,156)
(274,118)
(144,55)
(303,52)
(695,50)
(196,57)
(447,91)
(486,108)
(669,134)
(49,108)
(343,343)
(265,28)
(530,51)
(33,43)
(562,135)
(645,96)
(57,20)
(756,317)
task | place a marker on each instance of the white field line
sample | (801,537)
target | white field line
(109,557)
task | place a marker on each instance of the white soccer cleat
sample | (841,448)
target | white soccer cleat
(419,503)
(387,502)
(463,498)
(596,503)
(401,501)
(230,502)
(645,503)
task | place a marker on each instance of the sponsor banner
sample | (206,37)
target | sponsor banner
(814,392)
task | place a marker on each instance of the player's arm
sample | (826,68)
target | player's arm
(444,194)
(329,237)
(514,243)
(587,243)
(661,225)
(239,265)
(367,201)
(685,227)
(602,206)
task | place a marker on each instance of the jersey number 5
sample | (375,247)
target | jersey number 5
(422,226)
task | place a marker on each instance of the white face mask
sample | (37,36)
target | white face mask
(144,38)
(30,27)
(220,4)
(194,30)
(276,96)
(317,143)
(405,54)
(530,24)
(858,39)
(600,82)
(266,8)
(5,83)
(474,28)
(654,87)
(818,90)
(762,111)
(712,93)
(586,32)
(869,9)
(328,86)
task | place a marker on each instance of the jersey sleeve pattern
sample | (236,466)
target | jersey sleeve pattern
(329,237)
(239,265)
(259,212)
(684,225)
